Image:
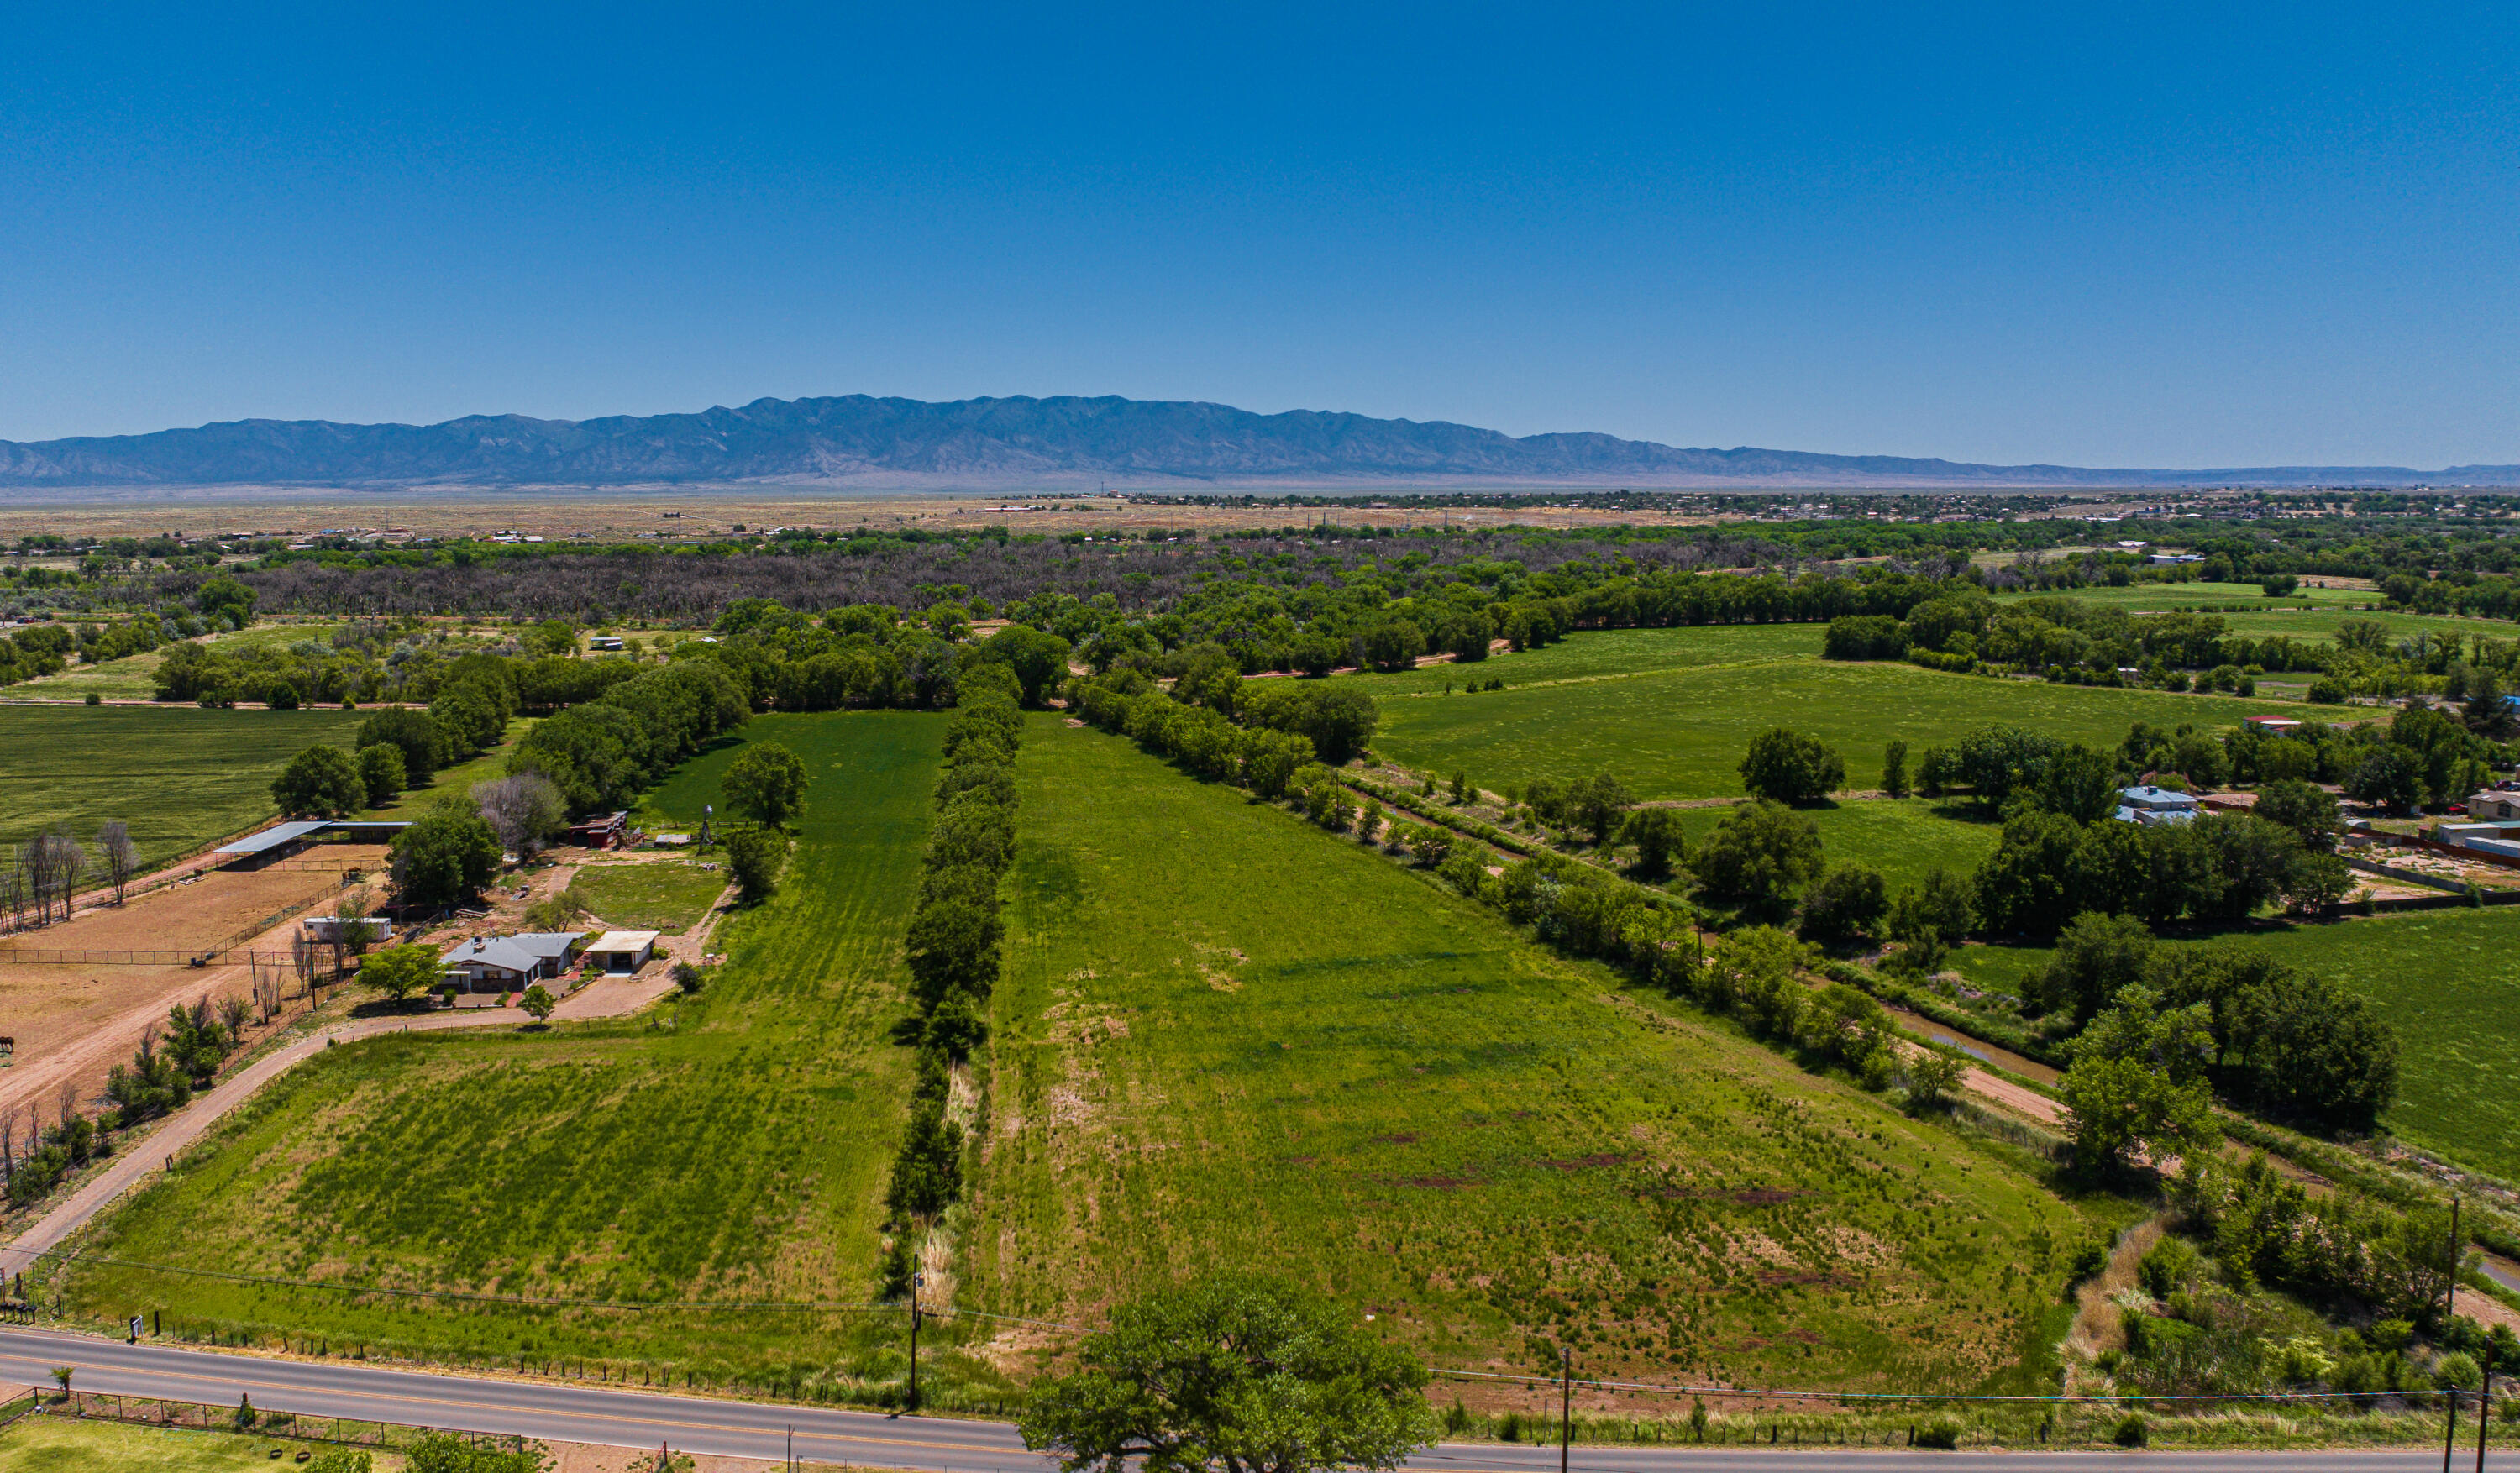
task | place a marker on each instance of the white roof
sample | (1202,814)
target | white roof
(624,941)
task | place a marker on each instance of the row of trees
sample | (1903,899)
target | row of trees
(1259,734)
(39,879)
(954,943)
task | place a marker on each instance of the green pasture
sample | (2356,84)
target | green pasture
(1226,1040)
(2313,613)
(64,1445)
(651,895)
(456,780)
(179,776)
(728,1147)
(134,676)
(1608,653)
(1681,733)
(2448,981)
(1906,838)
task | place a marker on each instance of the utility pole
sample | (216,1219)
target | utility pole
(916,1280)
(2484,1406)
(2449,1289)
(1566,1405)
(2450,1439)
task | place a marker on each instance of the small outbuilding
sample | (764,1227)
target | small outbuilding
(622,953)
(2272,726)
(2493,803)
(609,832)
(331,928)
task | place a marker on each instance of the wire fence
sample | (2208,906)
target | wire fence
(228,951)
(167,1411)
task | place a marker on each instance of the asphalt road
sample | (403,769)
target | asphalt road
(565,1412)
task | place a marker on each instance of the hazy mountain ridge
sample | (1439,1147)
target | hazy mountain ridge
(857,438)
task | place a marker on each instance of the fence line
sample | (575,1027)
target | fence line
(167,1411)
(16,956)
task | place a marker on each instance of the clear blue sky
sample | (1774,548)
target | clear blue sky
(2173,235)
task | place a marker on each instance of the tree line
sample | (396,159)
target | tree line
(954,943)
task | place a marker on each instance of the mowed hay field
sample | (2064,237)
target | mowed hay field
(1680,732)
(179,776)
(2448,981)
(1226,1040)
(731,1146)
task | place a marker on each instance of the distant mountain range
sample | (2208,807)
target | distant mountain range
(1058,442)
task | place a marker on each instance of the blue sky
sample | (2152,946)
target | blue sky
(2174,235)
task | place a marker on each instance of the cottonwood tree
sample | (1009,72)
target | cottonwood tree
(1786,766)
(524,811)
(766,783)
(119,856)
(321,782)
(1239,1373)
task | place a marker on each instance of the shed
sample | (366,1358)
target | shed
(331,928)
(622,953)
(2275,726)
(2493,803)
(609,832)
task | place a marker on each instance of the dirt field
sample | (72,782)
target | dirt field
(74,1023)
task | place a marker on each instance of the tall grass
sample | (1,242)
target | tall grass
(1225,1039)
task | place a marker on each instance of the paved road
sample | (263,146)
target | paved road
(614,1417)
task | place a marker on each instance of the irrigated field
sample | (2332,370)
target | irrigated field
(2449,981)
(730,1147)
(1598,653)
(2312,613)
(1226,1039)
(179,776)
(1679,734)
(1905,840)
(53,1443)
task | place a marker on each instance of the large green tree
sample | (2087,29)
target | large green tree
(1759,856)
(1788,767)
(444,858)
(399,971)
(1234,1373)
(765,782)
(319,782)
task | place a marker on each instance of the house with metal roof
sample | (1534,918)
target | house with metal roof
(507,964)
(2156,805)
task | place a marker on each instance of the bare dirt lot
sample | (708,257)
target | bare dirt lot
(72,1023)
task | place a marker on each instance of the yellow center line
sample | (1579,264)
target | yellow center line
(288,1389)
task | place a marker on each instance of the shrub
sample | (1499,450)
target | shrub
(1847,901)
(2131,1432)
(2328,691)
(1943,1433)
